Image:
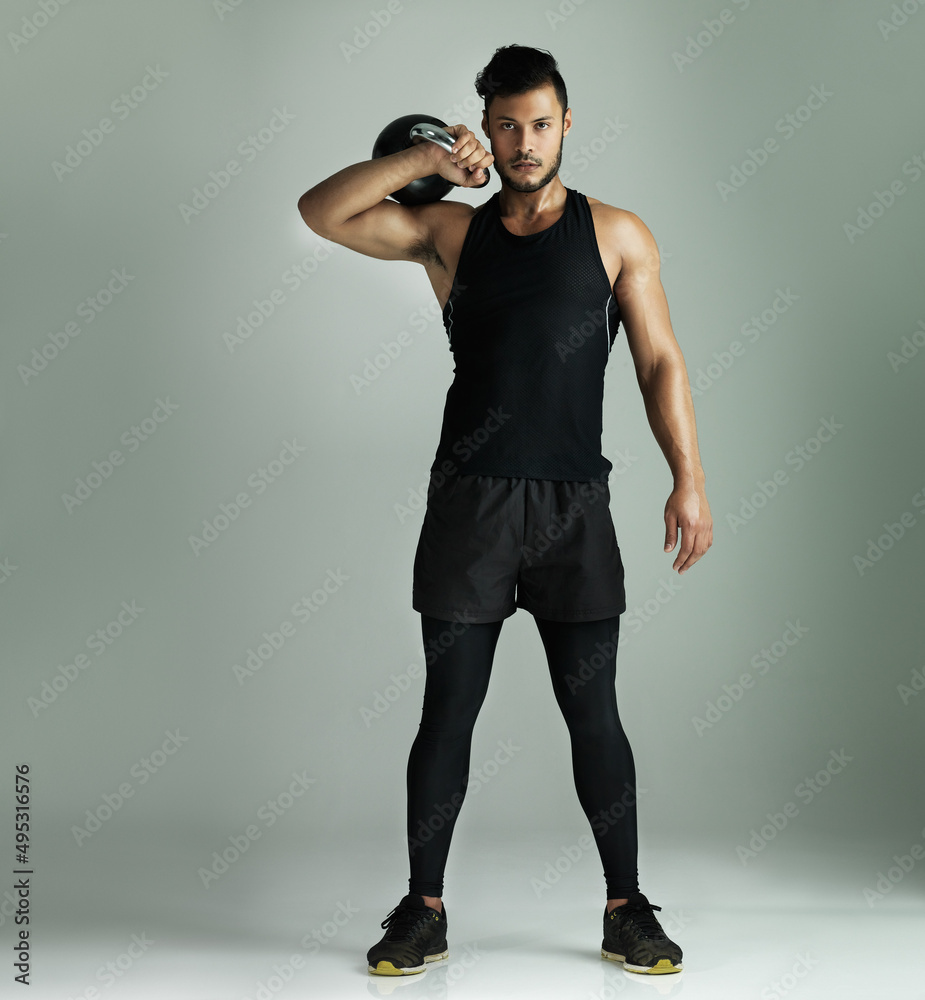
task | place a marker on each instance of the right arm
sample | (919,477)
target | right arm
(352,207)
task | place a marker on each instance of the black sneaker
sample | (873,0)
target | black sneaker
(633,936)
(415,935)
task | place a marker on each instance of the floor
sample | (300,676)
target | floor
(794,923)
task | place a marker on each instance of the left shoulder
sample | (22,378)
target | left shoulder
(627,236)
(622,225)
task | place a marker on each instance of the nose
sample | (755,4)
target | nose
(524,146)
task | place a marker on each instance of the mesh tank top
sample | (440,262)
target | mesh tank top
(530,321)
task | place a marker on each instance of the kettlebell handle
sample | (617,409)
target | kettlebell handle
(433,133)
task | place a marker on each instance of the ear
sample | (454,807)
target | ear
(566,122)
(485,124)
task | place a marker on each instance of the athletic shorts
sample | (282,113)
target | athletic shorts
(492,544)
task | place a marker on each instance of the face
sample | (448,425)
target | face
(527,127)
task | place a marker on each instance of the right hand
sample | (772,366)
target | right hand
(471,158)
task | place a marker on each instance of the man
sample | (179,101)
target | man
(533,285)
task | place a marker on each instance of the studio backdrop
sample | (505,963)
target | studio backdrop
(217,429)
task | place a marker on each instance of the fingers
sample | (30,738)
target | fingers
(468,153)
(683,561)
(464,147)
(687,514)
(694,544)
(673,529)
(671,534)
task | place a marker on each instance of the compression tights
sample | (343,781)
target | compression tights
(456,683)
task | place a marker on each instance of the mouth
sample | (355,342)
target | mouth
(526,166)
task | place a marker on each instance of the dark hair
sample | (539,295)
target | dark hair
(515,69)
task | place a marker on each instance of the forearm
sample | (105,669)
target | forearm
(670,410)
(358,187)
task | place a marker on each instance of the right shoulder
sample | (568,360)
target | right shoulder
(448,213)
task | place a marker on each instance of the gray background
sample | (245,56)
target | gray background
(683,127)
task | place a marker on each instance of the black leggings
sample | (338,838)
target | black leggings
(459,659)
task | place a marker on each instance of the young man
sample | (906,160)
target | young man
(533,284)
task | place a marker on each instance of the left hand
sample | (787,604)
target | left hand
(687,509)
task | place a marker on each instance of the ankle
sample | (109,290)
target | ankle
(435,902)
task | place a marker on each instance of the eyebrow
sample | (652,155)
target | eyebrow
(506,118)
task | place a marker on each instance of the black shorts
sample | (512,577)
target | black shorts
(484,536)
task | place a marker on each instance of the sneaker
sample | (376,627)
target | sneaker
(415,935)
(633,936)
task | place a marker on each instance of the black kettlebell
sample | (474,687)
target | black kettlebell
(395,137)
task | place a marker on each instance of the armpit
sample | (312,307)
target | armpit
(426,252)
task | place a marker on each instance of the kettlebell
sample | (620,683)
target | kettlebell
(403,133)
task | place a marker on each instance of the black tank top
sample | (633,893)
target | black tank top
(530,321)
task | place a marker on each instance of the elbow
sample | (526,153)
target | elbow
(308,209)
(663,369)
(305,209)
(647,375)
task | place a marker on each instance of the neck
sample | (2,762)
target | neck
(529,204)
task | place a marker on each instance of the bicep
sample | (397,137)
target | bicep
(642,300)
(387,231)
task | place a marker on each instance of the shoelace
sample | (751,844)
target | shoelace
(644,919)
(401,919)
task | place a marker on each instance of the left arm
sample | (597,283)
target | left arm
(663,382)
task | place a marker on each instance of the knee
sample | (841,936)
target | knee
(445,732)
(595,729)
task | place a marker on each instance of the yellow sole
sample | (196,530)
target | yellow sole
(385,968)
(661,967)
